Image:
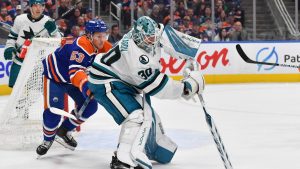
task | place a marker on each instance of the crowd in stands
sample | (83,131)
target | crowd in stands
(191,17)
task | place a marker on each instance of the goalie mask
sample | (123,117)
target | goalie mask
(146,33)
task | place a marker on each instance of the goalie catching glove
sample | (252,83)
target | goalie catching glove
(193,84)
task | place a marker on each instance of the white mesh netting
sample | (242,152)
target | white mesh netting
(21,120)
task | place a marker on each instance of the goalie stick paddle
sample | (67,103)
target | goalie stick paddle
(216,136)
(248,60)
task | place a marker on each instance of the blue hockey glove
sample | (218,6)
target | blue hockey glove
(85,90)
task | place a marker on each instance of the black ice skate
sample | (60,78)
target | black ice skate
(43,148)
(64,137)
(117,164)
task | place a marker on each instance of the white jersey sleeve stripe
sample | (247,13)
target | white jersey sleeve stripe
(56,69)
(155,83)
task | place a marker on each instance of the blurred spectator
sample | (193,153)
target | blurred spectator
(18,10)
(238,33)
(74,17)
(81,24)
(165,11)
(143,9)
(204,37)
(105,6)
(126,15)
(63,27)
(89,15)
(4,17)
(114,35)
(165,2)
(200,9)
(81,7)
(187,25)
(196,31)
(181,9)
(75,32)
(207,14)
(64,7)
(239,15)
(191,16)
(155,15)
(190,13)
(209,28)
(222,36)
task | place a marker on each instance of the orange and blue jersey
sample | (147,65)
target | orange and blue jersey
(69,62)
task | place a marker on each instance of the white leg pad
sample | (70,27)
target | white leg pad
(138,148)
(130,127)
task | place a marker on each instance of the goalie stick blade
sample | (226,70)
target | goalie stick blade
(248,60)
(62,113)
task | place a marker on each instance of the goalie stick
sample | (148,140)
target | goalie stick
(209,120)
(248,60)
(216,136)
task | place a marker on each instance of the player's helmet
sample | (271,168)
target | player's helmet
(146,33)
(31,2)
(95,25)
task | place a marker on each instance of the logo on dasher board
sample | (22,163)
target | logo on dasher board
(144,59)
(266,55)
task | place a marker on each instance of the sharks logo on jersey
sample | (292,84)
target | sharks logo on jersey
(28,35)
(144,59)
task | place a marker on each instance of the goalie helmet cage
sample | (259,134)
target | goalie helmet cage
(21,120)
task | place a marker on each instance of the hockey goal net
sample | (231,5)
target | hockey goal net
(21,119)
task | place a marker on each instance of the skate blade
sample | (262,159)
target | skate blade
(38,157)
(61,142)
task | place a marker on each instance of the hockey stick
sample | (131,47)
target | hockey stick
(248,60)
(77,113)
(216,136)
(5,26)
(192,65)
(62,113)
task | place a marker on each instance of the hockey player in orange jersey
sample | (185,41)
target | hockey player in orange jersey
(65,73)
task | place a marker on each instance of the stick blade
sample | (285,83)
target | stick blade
(243,54)
(62,113)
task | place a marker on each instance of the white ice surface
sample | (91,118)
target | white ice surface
(259,125)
